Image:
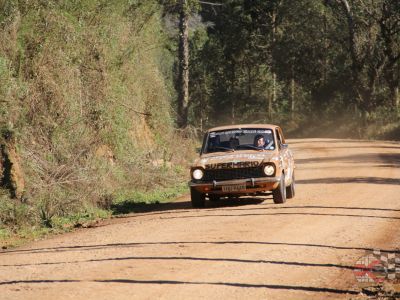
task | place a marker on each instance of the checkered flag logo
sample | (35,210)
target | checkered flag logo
(377,266)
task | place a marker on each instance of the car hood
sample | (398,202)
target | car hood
(235,159)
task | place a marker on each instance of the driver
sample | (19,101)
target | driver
(259,141)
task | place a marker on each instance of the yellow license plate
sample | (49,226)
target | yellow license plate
(233,188)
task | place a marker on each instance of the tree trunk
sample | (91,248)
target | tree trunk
(249,82)
(356,66)
(183,81)
(232,92)
(273,72)
(292,97)
(326,49)
(396,98)
(233,117)
(352,34)
(269,106)
(273,87)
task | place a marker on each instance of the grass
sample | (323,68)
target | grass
(11,237)
(123,203)
(134,201)
(4,233)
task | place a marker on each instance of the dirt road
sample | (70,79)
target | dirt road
(347,202)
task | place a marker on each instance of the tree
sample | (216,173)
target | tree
(183,60)
(389,22)
(373,45)
(264,60)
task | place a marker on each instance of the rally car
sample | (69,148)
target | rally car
(239,160)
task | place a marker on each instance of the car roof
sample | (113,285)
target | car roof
(241,126)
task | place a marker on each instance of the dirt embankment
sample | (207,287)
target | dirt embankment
(347,204)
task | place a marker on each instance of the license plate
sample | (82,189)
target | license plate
(233,188)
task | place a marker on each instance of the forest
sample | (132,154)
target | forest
(325,67)
(103,103)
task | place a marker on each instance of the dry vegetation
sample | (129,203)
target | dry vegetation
(84,91)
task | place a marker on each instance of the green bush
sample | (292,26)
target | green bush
(85,89)
(14,214)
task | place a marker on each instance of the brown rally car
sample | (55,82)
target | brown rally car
(243,160)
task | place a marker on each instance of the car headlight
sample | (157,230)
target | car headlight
(197,174)
(269,170)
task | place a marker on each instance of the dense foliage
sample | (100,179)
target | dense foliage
(297,62)
(85,90)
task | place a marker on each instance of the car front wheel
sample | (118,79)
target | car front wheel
(279,194)
(290,190)
(198,199)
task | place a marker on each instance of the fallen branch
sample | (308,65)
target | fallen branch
(137,112)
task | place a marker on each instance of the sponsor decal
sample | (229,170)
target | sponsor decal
(233,165)
(376,267)
(240,132)
(234,157)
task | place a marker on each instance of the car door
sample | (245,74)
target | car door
(285,155)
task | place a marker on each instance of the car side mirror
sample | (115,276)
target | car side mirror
(285,146)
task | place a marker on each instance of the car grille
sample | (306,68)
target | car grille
(228,174)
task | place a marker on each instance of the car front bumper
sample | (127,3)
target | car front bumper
(252,185)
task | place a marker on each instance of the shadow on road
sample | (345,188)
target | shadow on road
(127,207)
(281,214)
(383,158)
(185,207)
(341,180)
(39,281)
(170,282)
(396,147)
(160,243)
(225,205)
(242,285)
(213,259)
(322,140)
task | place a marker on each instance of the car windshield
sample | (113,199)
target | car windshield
(230,140)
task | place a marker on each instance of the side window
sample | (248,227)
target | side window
(279,138)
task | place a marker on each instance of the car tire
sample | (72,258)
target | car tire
(290,190)
(279,194)
(198,199)
(214,198)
